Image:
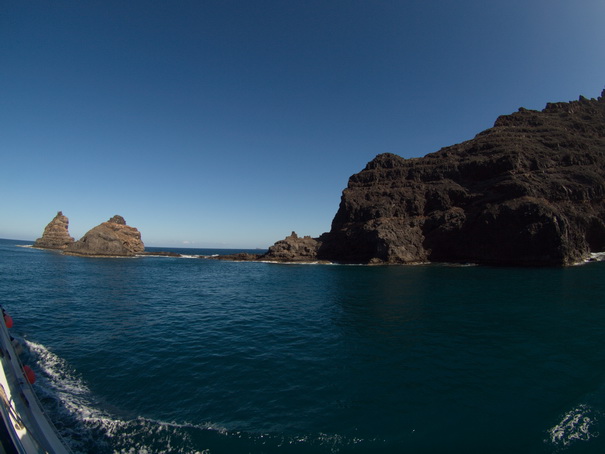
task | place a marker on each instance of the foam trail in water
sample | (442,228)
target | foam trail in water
(89,429)
(58,383)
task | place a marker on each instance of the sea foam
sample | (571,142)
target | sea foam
(70,399)
(576,425)
(58,382)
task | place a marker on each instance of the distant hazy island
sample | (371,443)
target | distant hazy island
(527,192)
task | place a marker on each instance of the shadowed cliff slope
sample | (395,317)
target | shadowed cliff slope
(528,191)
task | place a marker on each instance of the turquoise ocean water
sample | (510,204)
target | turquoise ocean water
(184,355)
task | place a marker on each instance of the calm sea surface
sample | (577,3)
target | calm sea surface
(184,355)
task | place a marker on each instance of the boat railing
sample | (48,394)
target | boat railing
(38,422)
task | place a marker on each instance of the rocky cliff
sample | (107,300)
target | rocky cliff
(111,238)
(528,191)
(56,234)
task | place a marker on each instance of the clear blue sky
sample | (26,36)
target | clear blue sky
(231,123)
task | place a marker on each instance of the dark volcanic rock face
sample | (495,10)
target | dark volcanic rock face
(293,249)
(56,234)
(111,238)
(529,191)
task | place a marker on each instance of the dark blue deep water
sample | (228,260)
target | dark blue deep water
(184,355)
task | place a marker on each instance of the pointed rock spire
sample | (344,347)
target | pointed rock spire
(56,234)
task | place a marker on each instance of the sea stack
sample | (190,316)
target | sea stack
(530,191)
(110,239)
(56,234)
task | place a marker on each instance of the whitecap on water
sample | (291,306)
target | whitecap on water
(597,257)
(592,257)
(576,425)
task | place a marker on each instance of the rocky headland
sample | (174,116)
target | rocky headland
(56,234)
(527,192)
(112,238)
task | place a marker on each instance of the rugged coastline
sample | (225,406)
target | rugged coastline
(530,191)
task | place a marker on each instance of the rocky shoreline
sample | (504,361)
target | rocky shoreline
(530,191)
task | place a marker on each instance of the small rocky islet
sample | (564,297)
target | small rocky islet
(113,238)
(530,191)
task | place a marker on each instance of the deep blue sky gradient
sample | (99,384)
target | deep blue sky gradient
(232,123)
